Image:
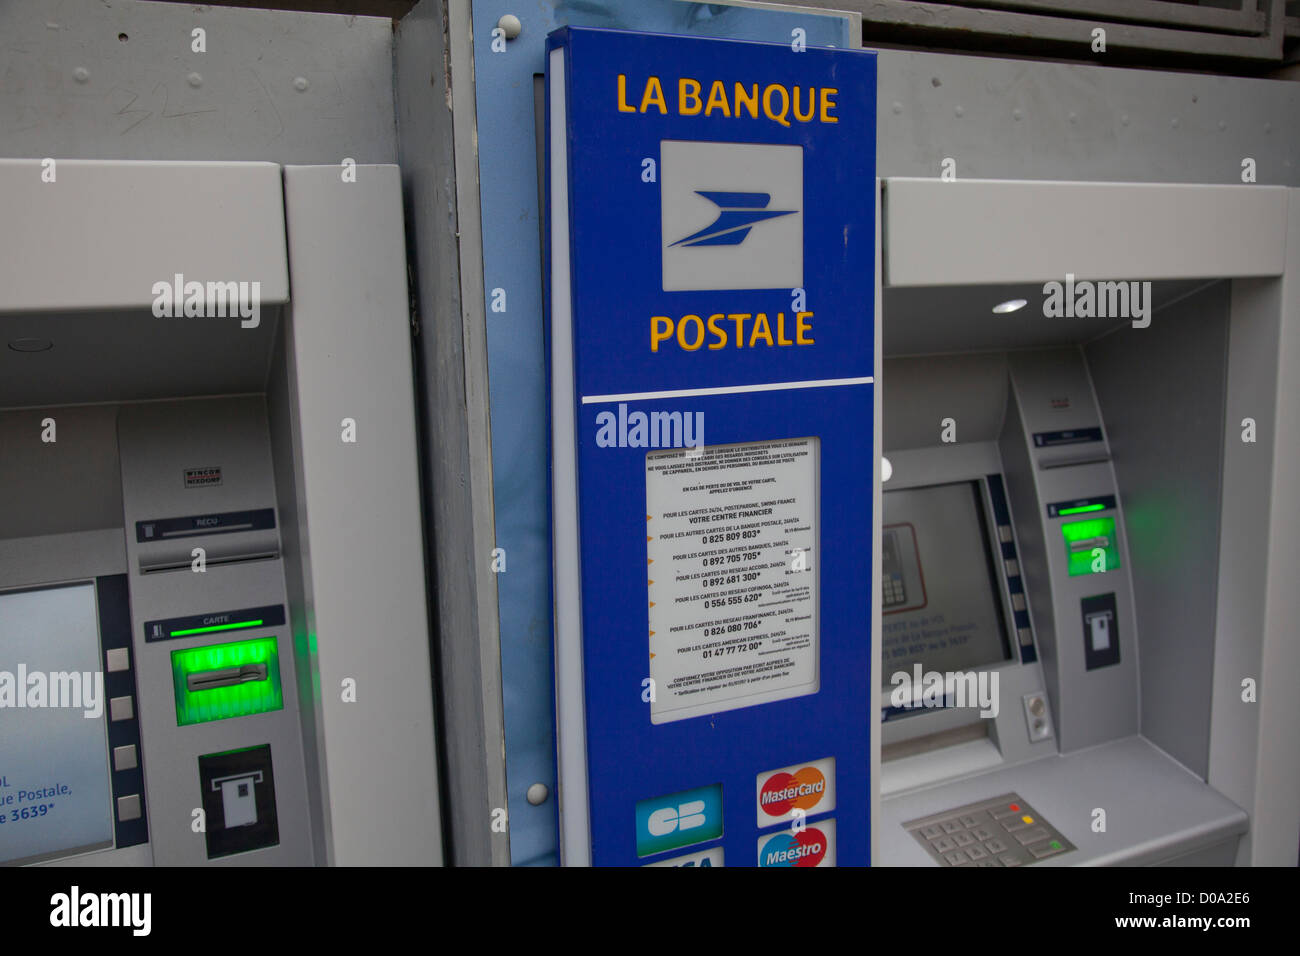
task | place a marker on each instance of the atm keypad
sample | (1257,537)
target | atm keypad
(892,590)
(1002,831)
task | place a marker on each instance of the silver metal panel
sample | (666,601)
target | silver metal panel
(1021,119)
(919,394)
(1031,546)
(887,17)
(1172,513)
(936,319)
(1217,854)
(1246,512)
(120,81)
(103,233)
(140,855)
(570,690)
(283,422)
(877,489)
(132,357)
(997,231)
(1246,19)
(158,441)
(69,485)
(54,558)
(1155,809)
(1088,706)
(79,263)
(451,358)
(1277,783)
(364,577)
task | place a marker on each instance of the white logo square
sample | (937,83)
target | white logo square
(732,215)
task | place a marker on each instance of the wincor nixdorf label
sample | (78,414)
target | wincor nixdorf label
(201,477)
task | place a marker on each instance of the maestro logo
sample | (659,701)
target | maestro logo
(783,792)
(732,215)
(807,848)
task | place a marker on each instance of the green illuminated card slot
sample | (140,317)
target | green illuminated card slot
(1090,546)
(227,680)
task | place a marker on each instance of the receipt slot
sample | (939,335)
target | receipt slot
(712,368)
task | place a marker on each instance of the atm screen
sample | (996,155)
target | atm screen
(939,589)
(55,792)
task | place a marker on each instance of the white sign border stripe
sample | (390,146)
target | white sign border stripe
(727,390)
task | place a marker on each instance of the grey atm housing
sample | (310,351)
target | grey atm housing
(302,407)
(1122,719)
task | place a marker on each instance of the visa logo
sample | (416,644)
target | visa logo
(678,819)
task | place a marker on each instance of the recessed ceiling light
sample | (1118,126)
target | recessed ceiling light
(31,345)
(1011,305)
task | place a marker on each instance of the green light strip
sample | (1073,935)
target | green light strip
(224,627)
(1081,509)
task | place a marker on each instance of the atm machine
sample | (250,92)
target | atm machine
(1080,642)
(213,628)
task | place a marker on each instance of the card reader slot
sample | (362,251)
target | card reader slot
(225,677)
(1087,544)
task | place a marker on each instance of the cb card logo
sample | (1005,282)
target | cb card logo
(678,819)
(814,846)
(732,216)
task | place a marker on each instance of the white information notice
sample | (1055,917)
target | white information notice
(732,576)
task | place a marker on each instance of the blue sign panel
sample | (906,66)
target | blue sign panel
(711,225)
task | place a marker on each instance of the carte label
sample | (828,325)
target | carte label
(732,571)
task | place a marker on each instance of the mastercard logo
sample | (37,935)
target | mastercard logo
(783,792)
(794,849)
